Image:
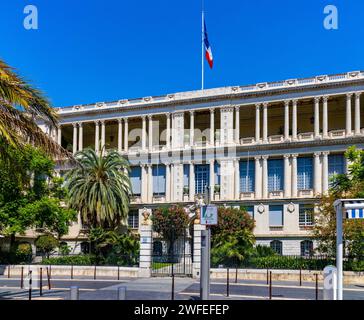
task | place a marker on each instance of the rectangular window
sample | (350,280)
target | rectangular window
(304,173)
(276,216)
(133,219)
(336,165)
(159,180)
(186,175)
(306,215)
(217,173)
(250,211)
(275,175)
(247,176)
(202,178)
(135,179)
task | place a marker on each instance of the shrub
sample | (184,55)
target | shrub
(82,260)
(46,244)
(23,252)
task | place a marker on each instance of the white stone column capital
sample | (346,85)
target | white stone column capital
(317,99)
(325,153)
(212,110)
(286,102)
(257,106)
(349,95)
(358,94)
(74,124)
(257,158)
(286,156)
(120,120)
(317,154)
(265,158)
(325,99)
(150,117)
(126,120)
(294,155)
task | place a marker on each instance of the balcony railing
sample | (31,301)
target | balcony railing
(276,194)
(276,139)
(305,136)
(246,195)
(307,193)
(337,134)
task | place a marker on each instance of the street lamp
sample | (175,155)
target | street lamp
(351,209)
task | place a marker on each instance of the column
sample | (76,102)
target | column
(286,120)
(294,120)
(325,172)
(168,182)
(212,126)
(357,113)
(287,176)
(317,118)
(144,132)
(150,133)
(144,186)
(258,179)
(348,114)
(168,137)
(294,176)
(120,135)
(237,124)
(146,246)
(74,137)
(265,177)
(325,130)
(150,183)
(257,123)
(59,135)
(97,136)
(126,135)
(237,179)
(80,136)
(192,128)
(265,122)
(317,173)
(192,181)
(212,179)
(103,136)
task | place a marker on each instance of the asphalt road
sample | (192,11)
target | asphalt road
(160,289)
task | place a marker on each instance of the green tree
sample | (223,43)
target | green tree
(20,105)
(232,238)
(170,223)
(46,244)
(99,188)
(343,186)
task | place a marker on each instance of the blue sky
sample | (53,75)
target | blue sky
(93,51)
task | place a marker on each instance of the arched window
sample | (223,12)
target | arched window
(85,247)
(306,248)
(276,245)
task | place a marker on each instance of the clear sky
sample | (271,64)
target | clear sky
(89,51)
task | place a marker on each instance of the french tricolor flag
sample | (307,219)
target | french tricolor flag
(208,51)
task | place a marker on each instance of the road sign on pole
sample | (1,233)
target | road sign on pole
(209,215)
(351,209)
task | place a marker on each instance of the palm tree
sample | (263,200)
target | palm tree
(20,105)
(99,188)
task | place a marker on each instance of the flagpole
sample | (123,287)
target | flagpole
(202,46)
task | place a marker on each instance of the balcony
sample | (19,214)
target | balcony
(305,193)
(159,198)
(276,194)
(337,134)
(135,199)
(305,136)
(247,141)
(276,139)
(246,195)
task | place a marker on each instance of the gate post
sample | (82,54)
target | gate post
(146,246)
(197,229)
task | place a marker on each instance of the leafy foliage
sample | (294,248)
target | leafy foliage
(99,188)
(46,244)
(232,239)
(349,185)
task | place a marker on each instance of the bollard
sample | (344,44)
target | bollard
(95,273)
(316,278)
(227,282)
(267,276)
(49,278)
(50,272)
(236,275)
(118,273)
(122,293)
(8,271)
(40,281)
(22,278)
(30,284)
(300,277)
(75,294)
(270,285)
(172,294)
(71,271)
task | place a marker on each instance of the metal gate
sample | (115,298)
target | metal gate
(176,259)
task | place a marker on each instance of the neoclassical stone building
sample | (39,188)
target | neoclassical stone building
(268,147)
